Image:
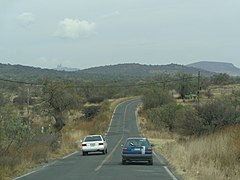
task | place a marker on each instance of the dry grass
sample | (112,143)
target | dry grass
(77,128)
(26,158)
(214,156)
(209,157)
(18,161)
(220,90)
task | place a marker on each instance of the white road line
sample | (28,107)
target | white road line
(170,173)
(24,175)
(45,166)
(70,155)
(113,115)
(35,170)
(112,119)
(108,156)
(165,167)
(159,159)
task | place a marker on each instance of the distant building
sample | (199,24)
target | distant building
(68,69)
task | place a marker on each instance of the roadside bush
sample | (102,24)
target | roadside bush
(221,79)
(188,122)
(236,99)
(105,106)
(218,113)
(156,98)
(22,98)
(40,153)
(195,120)
(206,118)
(90,111)
(14,129)
(165,115)
(3,100)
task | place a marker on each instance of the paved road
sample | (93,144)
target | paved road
(106,167)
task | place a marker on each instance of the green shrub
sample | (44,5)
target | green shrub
(90,111)
(206,118)
(156,98)
(14,129)
(165,115)
(220,112)
(188,122)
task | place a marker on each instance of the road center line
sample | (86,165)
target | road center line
(115,147)
(109,155)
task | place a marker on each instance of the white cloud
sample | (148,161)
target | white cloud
(25,19)
(74,28)
(110,15)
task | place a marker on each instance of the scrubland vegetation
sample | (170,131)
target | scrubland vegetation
(200,140)
(46,120)
(41,123)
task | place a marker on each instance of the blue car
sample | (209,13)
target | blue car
(137,149)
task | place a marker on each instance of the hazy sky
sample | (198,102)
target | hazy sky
(89,33)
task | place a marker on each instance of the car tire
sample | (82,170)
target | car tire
(124,162)
(84,153)
(106,151)
(103,151)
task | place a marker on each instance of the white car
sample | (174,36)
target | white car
(94,143)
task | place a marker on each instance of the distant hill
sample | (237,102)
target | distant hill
(131,70)
(217,67)
(28,73)
(134,69)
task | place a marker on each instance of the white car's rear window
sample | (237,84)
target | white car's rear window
(93,138)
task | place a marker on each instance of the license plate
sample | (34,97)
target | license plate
(92,144)
(137,149)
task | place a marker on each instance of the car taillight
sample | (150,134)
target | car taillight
(84,145)
(149,149)
(100,143)
(124,149)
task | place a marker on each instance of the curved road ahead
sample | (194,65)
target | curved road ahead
(106,167)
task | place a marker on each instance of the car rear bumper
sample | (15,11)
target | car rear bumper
(93,149)
(137,157)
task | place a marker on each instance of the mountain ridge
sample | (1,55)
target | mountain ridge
(143,69)
(130,70)
(217,67)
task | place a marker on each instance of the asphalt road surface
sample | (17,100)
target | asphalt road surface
(108,166)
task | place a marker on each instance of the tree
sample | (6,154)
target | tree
(221,79)
(59,97)
(186,85)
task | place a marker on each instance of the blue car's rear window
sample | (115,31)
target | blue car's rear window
(137,142)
